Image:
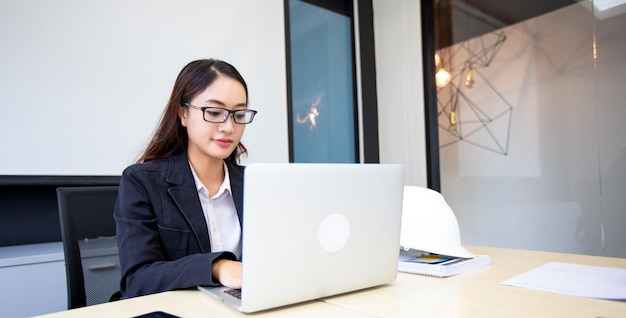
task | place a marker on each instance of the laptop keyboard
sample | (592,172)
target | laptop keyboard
(234,292)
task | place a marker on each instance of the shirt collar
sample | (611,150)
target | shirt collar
(225,184)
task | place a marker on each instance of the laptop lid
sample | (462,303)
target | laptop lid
(316,230)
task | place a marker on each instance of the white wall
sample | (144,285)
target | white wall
(398,40)
(83,83)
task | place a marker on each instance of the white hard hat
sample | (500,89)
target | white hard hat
(428,224)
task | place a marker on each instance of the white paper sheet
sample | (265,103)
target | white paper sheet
(574,279)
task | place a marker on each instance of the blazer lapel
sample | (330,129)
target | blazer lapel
(236,185)
(185,195)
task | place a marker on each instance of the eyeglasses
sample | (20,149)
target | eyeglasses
(220,115)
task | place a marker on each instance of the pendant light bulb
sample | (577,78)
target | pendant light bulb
(469,78)
(442,77)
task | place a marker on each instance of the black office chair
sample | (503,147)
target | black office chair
(89,244)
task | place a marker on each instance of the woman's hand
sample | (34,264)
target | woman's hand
(227,272)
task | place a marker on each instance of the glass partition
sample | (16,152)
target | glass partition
(323,126)
(531,112)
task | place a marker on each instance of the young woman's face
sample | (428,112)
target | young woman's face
(214,140)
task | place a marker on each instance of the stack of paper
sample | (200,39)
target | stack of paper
(574,279)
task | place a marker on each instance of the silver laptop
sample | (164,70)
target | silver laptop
(316,230)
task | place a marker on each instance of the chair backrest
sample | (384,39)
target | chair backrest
(89,243)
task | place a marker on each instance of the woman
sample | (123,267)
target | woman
(179,209)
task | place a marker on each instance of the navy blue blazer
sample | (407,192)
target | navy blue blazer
(162,235)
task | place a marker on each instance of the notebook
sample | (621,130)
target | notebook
(316,230)
(424,263)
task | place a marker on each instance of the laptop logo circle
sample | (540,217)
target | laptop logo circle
(333,232)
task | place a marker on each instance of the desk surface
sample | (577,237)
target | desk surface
(477,293)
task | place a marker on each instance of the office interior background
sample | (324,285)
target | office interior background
(537,157)
(525,141)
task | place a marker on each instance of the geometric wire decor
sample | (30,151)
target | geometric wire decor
(469,108)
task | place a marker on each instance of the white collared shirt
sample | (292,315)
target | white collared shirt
(220,215)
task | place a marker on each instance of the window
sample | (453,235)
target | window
(323,109)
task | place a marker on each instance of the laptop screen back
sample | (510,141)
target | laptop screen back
(316,230)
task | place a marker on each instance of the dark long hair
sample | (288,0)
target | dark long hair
(171,137)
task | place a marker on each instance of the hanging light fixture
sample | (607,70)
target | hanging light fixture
(443,41)
(452,128)
(442,77)
(469,77)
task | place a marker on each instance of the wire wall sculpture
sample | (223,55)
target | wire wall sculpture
(469,108)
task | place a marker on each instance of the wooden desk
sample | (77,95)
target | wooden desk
(477,293)
(193,303)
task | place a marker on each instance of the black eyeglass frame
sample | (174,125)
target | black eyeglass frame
(230,112)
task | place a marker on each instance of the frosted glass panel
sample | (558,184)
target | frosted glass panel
(531,130)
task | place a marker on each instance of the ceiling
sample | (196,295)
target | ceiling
(511,12)
(470,18)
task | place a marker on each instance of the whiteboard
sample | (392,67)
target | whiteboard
(83,83)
